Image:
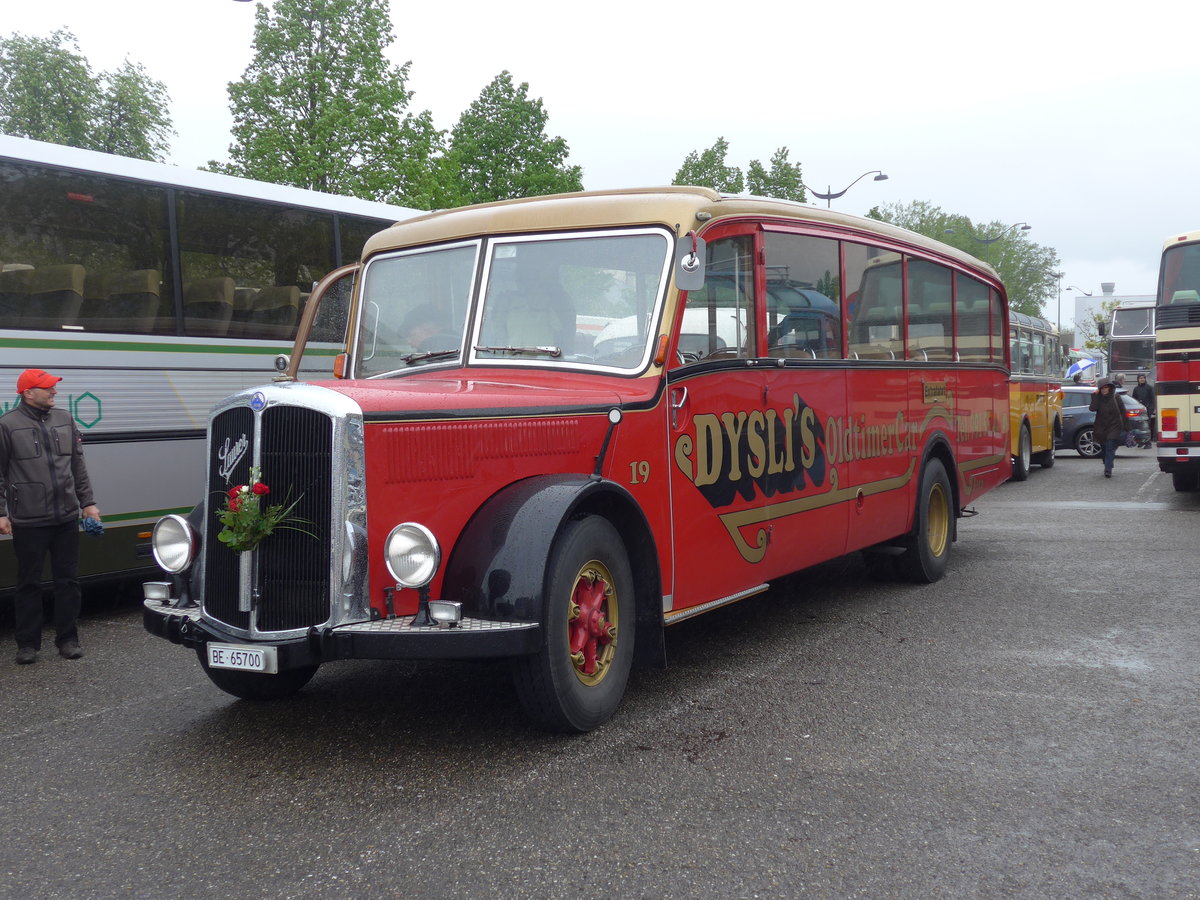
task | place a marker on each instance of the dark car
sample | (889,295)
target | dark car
(1078,431)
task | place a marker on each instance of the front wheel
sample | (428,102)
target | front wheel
(575,681)
(927,548)
(255,685)
(1021,462)
(1086,444)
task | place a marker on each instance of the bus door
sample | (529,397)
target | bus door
(717,427)
(874,440)
(981,403)
(934,383)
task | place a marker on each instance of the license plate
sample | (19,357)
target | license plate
(246,659)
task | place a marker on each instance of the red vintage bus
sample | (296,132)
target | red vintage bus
(562,424)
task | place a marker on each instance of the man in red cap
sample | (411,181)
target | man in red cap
(43,485)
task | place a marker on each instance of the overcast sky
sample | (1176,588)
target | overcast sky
(1078,119)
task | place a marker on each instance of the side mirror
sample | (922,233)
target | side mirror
(1102,328)
(690,258)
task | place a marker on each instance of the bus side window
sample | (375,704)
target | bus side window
(998,325)
(971,299)
(804,317)
(875,317)
(718,320)
(930,322)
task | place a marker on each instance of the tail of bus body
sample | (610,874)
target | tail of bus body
(1177,352)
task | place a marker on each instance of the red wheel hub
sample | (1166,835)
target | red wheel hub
(589,627)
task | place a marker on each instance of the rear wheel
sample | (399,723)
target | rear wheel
(1086,444)
(255,685)
(575,682)
(1186,482)
(1045,459)
(1024,457)
(927,548)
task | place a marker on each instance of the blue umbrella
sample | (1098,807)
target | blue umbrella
(1080,365)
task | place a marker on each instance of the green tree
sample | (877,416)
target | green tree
(49,92)
(782,181)
(499,149)
(709,169)
(1028,269)
(320,106)
(132,116)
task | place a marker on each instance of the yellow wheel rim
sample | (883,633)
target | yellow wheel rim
(937,527)
(592,623)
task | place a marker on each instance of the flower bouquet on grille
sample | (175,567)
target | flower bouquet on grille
(245,522)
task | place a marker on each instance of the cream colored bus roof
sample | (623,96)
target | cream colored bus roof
(1186,238)
(688,207)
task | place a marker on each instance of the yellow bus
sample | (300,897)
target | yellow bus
(1035,392)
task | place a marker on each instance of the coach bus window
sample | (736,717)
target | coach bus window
(804,317)
(246,265)
(930,319)
(353,233)
(718,320)
(81,252)
(1039,354)
(1180,278)
(998,325)
(971,299)
(876,304)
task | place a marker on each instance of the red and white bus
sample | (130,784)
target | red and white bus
(760,386)
(1177,353)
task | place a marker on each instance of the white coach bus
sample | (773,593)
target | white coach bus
(156,291)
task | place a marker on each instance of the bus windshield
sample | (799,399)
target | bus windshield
(1180,281)
(590,299)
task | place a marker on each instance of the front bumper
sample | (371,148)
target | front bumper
(394,638)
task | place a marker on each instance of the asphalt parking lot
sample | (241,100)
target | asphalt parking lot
(1024,728)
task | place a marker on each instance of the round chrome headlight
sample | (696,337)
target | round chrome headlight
(173,543)
(412,554)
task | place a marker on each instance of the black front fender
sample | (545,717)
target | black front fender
(497,568)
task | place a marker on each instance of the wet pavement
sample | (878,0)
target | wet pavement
(1024,728)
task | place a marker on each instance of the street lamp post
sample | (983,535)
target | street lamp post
(831,195)
(988,241)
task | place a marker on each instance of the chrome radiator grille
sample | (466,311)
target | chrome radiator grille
(291,571)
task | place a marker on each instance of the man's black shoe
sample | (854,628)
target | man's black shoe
(26,655)
(70,650)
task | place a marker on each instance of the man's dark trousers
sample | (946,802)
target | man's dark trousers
(31,543)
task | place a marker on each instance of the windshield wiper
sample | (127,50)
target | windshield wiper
(427,354)
(531,351)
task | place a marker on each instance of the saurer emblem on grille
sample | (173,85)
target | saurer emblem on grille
(230,455)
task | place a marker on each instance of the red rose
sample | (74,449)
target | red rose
(235,504)
(234,491)
(260,488)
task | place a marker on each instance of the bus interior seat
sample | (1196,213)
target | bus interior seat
(134,299)
(276,306)
(208,306)
(14,294)
(55,297)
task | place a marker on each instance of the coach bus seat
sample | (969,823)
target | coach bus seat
(208,306)
(55,297)
(276,306)
(133,302)
(273,313)
(14,295)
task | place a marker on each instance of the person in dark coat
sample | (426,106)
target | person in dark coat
(1143,393)
(1110,420)
(44,489)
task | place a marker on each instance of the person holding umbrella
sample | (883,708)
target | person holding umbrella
(1078,367)
(1110,420)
